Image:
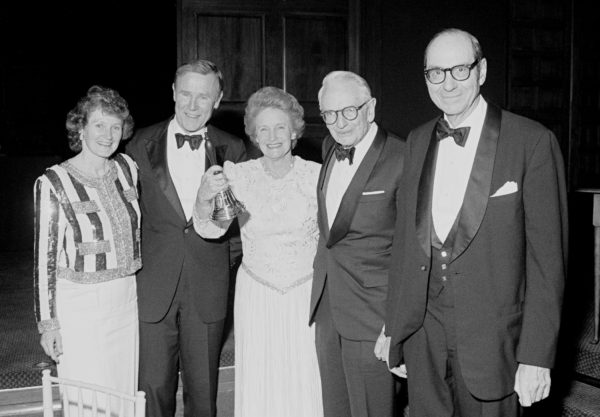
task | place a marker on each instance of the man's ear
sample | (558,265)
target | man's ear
(218,101)
(482,71)
(371,109)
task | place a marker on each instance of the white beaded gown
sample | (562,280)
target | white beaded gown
(276,369)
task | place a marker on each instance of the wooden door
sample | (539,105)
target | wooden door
(290,45)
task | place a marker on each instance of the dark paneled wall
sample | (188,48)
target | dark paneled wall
(408,27)
(584,146)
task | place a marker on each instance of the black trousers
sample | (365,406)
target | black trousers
(435,383)
(180,341)
(354,382)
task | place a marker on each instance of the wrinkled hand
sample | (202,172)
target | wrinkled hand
(382,346)
(532,384)
(51,341)
(212,182)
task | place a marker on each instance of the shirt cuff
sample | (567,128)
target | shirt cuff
(48,325)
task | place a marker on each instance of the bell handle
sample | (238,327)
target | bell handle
(210,151)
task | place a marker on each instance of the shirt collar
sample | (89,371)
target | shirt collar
(366,142)
(178,129)
(476,117)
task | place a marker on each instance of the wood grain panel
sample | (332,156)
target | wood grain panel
(235,44)
(313,46)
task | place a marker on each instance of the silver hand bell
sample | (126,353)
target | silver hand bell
(225,205)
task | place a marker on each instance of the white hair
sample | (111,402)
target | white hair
(346,76)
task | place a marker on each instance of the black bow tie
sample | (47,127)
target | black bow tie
(443,130)
(342,153)
(194,140)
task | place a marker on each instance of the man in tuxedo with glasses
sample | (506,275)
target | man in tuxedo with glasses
(480,250)
(357,197)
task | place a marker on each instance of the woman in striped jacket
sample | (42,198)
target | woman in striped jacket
(87,248)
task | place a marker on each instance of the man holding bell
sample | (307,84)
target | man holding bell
(183,286)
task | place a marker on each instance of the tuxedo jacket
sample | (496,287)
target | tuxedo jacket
(171,250)
(509,255)
(354,256)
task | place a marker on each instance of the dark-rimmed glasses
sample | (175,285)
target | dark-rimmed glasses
(350,113)
(458,72)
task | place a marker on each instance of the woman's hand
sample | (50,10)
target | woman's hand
(51,341)
(213,181)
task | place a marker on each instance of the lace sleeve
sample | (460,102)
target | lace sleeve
(207,228)
(237,177)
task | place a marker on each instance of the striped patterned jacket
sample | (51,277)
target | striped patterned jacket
(87,230)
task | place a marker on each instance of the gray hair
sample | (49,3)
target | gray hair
(200,66)
(274,98)
(346,76)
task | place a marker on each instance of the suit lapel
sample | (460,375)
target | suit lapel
(349,202)
(321,191)
(157,155)
(478,188)
(425,194)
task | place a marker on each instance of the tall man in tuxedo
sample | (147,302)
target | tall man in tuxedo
(479,253)
(183,286)
(357,198)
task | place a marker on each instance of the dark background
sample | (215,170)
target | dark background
(52,52)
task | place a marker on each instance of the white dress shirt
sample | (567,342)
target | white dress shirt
(185,166)
(342,173)
(453,170)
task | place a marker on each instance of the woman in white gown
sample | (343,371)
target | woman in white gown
(277,374)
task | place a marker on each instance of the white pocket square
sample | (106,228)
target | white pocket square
(373,192)
(509,187)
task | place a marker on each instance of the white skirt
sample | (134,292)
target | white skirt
(276,369)
(99,329)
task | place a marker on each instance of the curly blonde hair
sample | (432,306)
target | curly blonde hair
(110,101)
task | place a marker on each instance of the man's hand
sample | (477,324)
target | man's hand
(532,384)
(382,346)
(51,341)
(382,352)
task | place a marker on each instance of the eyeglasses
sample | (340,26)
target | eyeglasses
(458,72)
(350,113)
